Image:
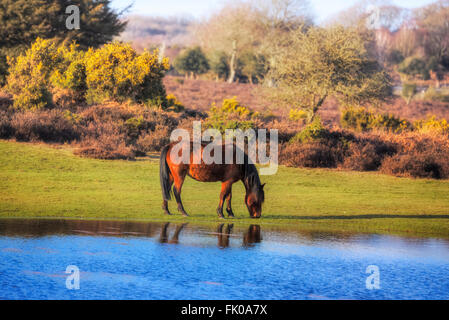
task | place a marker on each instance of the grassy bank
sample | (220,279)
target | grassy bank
(41,181)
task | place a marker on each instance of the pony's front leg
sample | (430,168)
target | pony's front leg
(225,191)
(229,208)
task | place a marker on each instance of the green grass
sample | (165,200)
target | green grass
(42,181)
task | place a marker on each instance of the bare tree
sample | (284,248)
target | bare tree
(232,30)
(255,26)
(405,40)
(433,22)
(278,19)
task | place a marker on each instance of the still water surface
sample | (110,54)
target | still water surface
(143,260)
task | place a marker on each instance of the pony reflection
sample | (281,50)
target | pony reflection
(223,237)
(252,236)
(164,237)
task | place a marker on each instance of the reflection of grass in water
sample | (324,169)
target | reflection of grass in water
(38,181)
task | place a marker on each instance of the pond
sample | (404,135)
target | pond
(154,260)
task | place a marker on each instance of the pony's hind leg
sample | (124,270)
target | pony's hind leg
(177,192)
(165,202)
(178,200)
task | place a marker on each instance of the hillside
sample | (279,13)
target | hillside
(147,32)
(200,94)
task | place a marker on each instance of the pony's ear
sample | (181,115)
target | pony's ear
(263,185)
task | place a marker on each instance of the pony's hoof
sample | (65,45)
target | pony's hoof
(167,213)
(220,213)
(230,213)
(184,214)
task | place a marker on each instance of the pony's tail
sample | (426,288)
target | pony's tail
(164,174)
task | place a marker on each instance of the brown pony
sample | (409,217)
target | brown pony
(171,173)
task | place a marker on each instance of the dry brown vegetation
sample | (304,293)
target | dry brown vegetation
(107,131)
(406,154)
(200,94)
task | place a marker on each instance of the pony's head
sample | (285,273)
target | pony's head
(255,196)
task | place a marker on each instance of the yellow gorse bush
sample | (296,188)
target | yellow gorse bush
(361,119)
(70,73)
(231,115)
(173,104)
(28,79)
(114,72)
(432,124)
(233,107)
(298,114)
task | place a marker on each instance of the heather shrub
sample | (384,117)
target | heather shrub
(117,72)
(153,141)
(362,158)
(286,128)
(320,148)
(66,98)
(6,129)
(420,142)
(108,147)
(416,164)
(136,130)
(311,155)
(406,154)
(5,101)
(104,140)
(107,113)
(418,155)
(44,125)
(366,153)
(135,125)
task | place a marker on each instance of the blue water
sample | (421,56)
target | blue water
(119,260)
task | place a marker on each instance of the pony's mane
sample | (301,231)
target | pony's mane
(252,180)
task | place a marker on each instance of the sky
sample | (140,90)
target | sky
(322,9)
